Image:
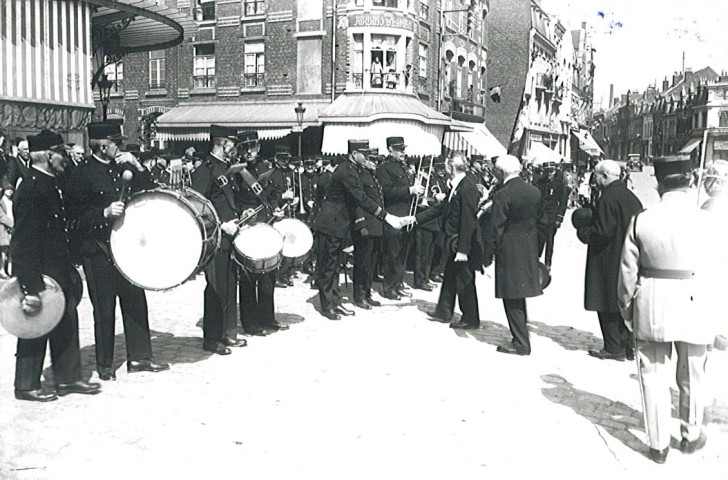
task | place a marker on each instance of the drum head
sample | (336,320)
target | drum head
(258,241)
(297,237)
(157,243)
(17,323)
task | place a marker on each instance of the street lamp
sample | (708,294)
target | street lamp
(299,120)
(104,85)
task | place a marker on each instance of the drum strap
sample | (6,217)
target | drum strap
(254,185)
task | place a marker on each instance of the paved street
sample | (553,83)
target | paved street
(385,394)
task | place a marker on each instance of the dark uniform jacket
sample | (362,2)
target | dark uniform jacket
(309,184)
(91,188)
(513,238)
(246,197)
(554,199)
(362,218)
(16,170)
(605,237)
(396,180)
(344,193)
(213,182)
(40,243)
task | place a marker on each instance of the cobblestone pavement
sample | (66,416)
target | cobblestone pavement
(384,394)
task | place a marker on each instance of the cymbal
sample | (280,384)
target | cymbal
(17,323)
(544,276)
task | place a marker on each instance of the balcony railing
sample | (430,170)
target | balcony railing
(467,107)
(251,80)
(203,81)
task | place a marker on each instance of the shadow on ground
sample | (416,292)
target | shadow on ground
(569,338)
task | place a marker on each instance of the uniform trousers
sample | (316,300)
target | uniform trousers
(65,356)
(105,284)
(394,252)
(459,282)
(617,338)
(257,305)
(220,299)
(518,323)
(440,254)
(327,270)
(546,236)
(653,359)
(424,250)
(365,261)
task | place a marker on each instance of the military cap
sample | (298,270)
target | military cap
(672,165)
(548,166)
(248,137)
(132,148)
(309,161)
(581,217)
(220,131)
(282,150)
(358,145)
(104,131)
(396,142)
(476,158)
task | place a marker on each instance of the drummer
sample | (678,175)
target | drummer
(257,290)
(95,191)
(283,181)
(212,180)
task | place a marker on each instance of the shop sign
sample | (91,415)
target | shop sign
(381,20)
(720,145)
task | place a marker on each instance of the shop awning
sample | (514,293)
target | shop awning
(420,139)
(473,138)
(690,146)
(587,142)
(191,122)
(140,25)
(539,153)
(368,107)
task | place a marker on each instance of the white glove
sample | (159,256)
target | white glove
(461,257)
(287,195)
(278,213)
(229,228)
(393,221)
(114,210)
(416,190)
(31,305)
(440,197)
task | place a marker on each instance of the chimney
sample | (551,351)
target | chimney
(611,94)
(583,25)
(665,85)
(676,77)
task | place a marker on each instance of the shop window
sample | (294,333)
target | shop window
(157,70)
(115,73)
(309,66)
(252,8)
(254,64)
(384,73)
(204,66)
(205,10)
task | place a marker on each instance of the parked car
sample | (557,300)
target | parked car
(634,162)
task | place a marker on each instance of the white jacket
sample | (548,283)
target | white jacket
(678,237)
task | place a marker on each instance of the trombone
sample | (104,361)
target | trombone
(417,201)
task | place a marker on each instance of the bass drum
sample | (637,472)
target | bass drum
(165,237)
(258,248)
(297,238)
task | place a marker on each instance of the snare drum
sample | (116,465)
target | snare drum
(297,238)
(257,248)
(165,237)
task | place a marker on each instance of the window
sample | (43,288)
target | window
(205,10)
(157,71)
(357,61)
(253,7)
(254,64)
(424,10)
(723,119)
(115,73)
(423,60)
(309,66)
(310,9)
(204,66)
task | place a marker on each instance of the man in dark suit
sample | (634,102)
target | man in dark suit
(334,222)
(554,200)
(18,169)
(605,237)
(513,239)
(399,190)
(211,179)
(40,245)
(425,233)
(463,247)
(94,195)
(309,184)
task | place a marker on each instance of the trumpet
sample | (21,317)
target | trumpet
(301,209)
(246,218)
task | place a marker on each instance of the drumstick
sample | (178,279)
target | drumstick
(126,177)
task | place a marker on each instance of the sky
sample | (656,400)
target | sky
(639,42)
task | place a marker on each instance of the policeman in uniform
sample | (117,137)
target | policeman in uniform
(309,183)
(212,180)
(281,178)
(671,293)
(95,190)
(554,200)
(335,221)
(399,191)
(40,245)
(440,184)
(257,290)
(424,236)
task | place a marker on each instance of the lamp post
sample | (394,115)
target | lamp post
(299,120)
(104,85)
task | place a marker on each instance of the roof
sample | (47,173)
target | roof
(370,106)
(241,114)
(151,25)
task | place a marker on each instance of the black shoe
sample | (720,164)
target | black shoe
(307,270)
(35,395)
(629,353)
(436,317)
(331,314)
(373,303)
(344,311)
(216,347)
(392,295)
(289,282)
(427,287)
(274,326)
(80,386)
(233,342)
(658,456)
(605,355)
(511,350)
(107,375)
(256,332)
(689,447)
(378,279)
(281,284)
(464,326)
(403,293)
(436,278)
(145,366)
(362,304)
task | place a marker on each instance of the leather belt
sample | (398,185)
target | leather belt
(666,273)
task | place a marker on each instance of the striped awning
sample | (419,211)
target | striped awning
(151,25)
(473,138)
(420,139)
(587,142)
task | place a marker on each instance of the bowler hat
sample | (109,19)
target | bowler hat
(358,145)
(45,140)
(672,165)
(581,217)
(220,131)
(396,142)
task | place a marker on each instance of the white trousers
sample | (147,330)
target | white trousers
(654,372)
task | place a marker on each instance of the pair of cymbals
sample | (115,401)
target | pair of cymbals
(21,325)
